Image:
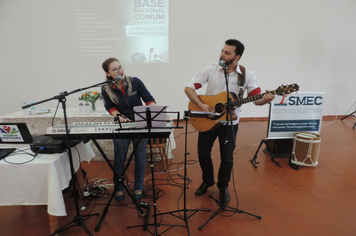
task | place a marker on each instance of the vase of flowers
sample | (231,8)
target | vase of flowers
(92,97)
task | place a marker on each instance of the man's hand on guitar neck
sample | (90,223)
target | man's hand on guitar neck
(267,98)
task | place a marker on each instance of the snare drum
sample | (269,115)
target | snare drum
(306,147)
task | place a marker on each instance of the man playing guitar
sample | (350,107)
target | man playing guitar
(213,76)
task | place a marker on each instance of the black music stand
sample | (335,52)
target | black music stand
(148,119)
(230,140)
(187,115)
(348,116)
(78,219)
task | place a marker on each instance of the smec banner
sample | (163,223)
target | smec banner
(296,112)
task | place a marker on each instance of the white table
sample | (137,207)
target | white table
(41,181)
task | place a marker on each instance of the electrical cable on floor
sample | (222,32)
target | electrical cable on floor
(331,122)
(94,189)
(99,187)
(172,180)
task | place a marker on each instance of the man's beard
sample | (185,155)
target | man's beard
(228,62)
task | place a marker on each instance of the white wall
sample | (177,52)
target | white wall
(311,43)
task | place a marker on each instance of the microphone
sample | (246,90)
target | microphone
(222,63)
(118,78)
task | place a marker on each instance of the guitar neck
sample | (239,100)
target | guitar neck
(239,102)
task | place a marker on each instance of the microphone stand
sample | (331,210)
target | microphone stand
(229,145)
(78,219)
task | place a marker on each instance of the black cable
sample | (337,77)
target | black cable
(16,153)
(191,132)
(351,107)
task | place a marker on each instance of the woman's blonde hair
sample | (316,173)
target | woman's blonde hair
(108,87)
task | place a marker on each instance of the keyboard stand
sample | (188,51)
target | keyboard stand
(121,181)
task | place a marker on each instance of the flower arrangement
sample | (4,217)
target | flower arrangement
(91,96)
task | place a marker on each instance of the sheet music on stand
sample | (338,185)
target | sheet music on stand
(203,114)
(158,117)
(148,117)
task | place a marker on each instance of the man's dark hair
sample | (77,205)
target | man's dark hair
(239,46)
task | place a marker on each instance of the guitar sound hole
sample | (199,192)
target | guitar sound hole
(219,108)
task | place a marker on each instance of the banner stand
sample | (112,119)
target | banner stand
(296,112)
(268,152)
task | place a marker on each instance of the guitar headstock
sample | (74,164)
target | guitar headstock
(287,89)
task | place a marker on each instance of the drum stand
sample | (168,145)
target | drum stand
(293,166)
(229,143)
(348,116)
(254,159)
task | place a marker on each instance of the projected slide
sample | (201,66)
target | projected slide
(135,31)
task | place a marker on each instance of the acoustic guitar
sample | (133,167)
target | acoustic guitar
(218,102)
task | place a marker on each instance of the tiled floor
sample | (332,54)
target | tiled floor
(308,201)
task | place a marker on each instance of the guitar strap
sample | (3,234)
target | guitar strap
(241,82)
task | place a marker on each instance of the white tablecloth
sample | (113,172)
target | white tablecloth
(41,181)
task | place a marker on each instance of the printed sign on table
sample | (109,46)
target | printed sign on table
(10,133)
